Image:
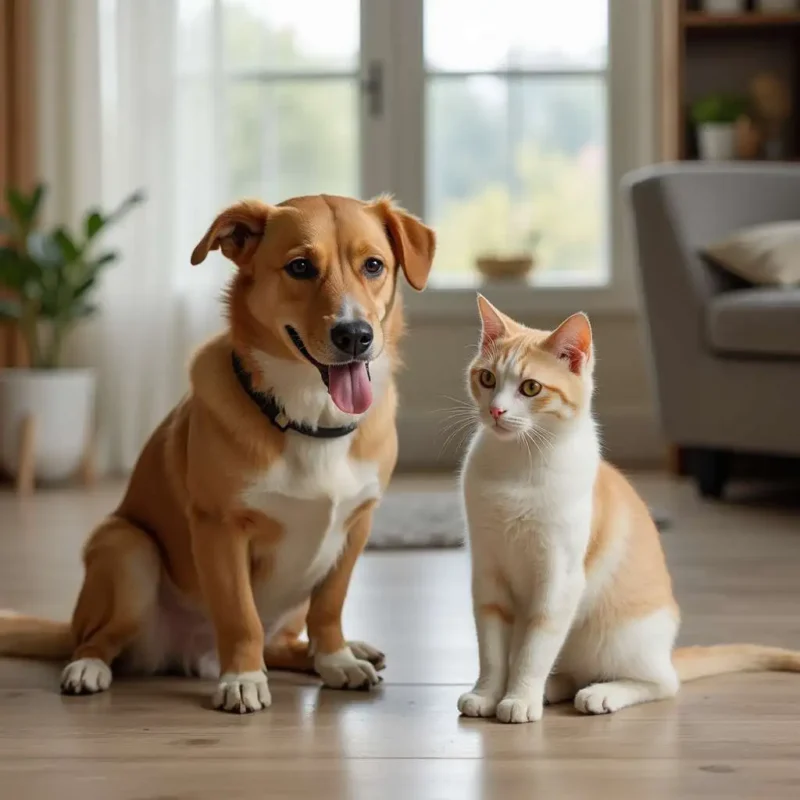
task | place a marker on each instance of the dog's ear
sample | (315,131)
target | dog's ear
(237,231)
(413,243)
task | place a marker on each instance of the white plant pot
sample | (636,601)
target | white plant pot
(776,6)
(717,141)
(724,6)
(61,403)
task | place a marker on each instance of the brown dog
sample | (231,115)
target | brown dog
(253,499)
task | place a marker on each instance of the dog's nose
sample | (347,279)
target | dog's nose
(353,338)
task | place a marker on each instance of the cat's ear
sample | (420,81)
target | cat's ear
(493,326)
(571,341)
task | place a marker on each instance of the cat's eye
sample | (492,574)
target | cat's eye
(487,379)
(530,388)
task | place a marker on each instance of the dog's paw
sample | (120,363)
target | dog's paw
(520,709)
(343,670)
(86,676)
(366,652)
(242,693)
(476,704)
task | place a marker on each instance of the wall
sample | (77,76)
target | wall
(436,355)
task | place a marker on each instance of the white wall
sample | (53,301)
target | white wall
(436,355)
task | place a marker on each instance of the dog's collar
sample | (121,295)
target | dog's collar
(275,414)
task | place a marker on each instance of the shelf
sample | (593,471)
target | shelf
(752,19)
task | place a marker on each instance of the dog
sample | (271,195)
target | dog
(251,502)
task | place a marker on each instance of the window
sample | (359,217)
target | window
(515,134)
(288,75)
(487,118)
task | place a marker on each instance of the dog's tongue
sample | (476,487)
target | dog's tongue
(350,387)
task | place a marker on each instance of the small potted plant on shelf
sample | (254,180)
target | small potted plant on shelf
(715,118)
(502,264)
(48,279)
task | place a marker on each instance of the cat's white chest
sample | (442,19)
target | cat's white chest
(527,516)
(310,492)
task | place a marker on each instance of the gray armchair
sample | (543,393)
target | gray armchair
(725,355)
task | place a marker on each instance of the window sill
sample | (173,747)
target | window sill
(447,300)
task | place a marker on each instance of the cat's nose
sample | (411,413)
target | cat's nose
(496,412)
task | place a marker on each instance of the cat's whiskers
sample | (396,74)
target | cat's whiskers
(524,438)
(547,437)
(457,416)
(529,439)
(542,444)
(463,418)
(463,427)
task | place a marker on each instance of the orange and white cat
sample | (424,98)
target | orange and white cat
(571,593)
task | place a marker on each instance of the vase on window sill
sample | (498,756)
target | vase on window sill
(510,267)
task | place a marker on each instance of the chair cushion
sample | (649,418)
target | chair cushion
(756,322)
(763,255)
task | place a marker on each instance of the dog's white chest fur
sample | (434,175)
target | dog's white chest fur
(310,491)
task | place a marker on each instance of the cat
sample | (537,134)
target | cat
(571,593)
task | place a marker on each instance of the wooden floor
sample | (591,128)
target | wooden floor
(737,575)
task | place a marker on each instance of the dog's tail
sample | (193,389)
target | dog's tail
(692,663)
(30,637)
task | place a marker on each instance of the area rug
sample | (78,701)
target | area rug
(428,520)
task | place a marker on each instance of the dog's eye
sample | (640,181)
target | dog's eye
(301,269)
(373,267)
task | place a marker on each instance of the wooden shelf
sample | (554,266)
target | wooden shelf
(752,19)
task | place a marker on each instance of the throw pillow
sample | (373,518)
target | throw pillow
(767,255)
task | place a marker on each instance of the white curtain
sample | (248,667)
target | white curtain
(131,98)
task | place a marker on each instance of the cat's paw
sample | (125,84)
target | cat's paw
(475,704)
(520,709)
(558,689)
(600,698)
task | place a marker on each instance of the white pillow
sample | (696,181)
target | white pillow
(768,254)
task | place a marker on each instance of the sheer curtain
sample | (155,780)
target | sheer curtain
(131,97)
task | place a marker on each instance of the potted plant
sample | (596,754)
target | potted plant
(715,118)
(501,263)
(49,278)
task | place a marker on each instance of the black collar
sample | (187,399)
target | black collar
(275,414)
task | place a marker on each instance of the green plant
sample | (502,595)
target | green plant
(50,276)
(719,108)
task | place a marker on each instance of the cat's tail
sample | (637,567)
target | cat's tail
(30,637)
(692,663)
